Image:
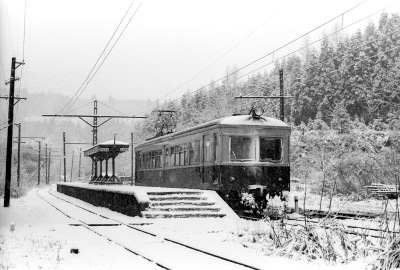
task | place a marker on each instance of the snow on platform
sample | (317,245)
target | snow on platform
(164,202)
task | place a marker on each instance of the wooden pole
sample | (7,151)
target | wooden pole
(39,163)
(72,165)
(7,187)
(131,158)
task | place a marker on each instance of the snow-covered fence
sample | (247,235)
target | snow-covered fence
(124,199)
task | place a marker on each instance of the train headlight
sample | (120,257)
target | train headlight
(258,111)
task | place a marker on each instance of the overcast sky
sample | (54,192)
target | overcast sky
(170,46)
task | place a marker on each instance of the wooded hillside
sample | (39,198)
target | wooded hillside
(355,76)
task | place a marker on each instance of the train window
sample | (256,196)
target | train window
(270,149)
(194,152)
(178,148)
(182,155)
(146,160)
(207,150)
(138,159)
(166,160)
(242,148)
(157,159)
(153,159)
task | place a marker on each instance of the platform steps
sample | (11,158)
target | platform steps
(181,204)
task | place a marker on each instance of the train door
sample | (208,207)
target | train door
(209,153)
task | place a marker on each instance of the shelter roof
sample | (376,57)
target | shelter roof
(107,147)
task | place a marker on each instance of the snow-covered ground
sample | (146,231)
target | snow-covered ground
(43,239)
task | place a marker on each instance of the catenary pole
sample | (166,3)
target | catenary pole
(65,159)
(282,99)
(46,164)
(72,165)
(80,157)
(95,126)
(39,163)
(48,174)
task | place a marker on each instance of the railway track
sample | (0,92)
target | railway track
(171,254)
(351,229)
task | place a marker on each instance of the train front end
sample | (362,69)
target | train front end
(254,159)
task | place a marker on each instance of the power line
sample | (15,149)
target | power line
(86,80)
(323,62)
(23,42)
(105,48)
(271,53)
(111,108)
(263,66)
(367,58)
(251,63)
(219,58)
(105,58)
(23,60)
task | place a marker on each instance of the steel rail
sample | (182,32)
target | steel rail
(87,226)
(165,238)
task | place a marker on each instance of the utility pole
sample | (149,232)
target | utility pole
(7,186)
(131,158)
(80,157)
(39,163)
(46,164)
(48,174)
(95,124)
(72,165)
(282,100)
(19,154)
(65,161)
(113,158)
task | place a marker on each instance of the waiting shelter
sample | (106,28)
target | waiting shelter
(103,152)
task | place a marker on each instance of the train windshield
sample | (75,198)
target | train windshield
(242,148)
(270,149)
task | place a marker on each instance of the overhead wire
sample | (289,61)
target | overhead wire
(367,58)
(323,62)
(112,108)
(100,56)
(255,60)
(251,63)
(79,92)
(271,53)
(220,57)
(117,64)
(274,51)
(23,61)
(90,102)
(273,61)
(105,58)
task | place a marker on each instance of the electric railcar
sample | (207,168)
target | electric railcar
(229,155)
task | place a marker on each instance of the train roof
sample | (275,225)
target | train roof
(230,121)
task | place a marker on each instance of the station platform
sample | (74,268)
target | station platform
(151,202)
